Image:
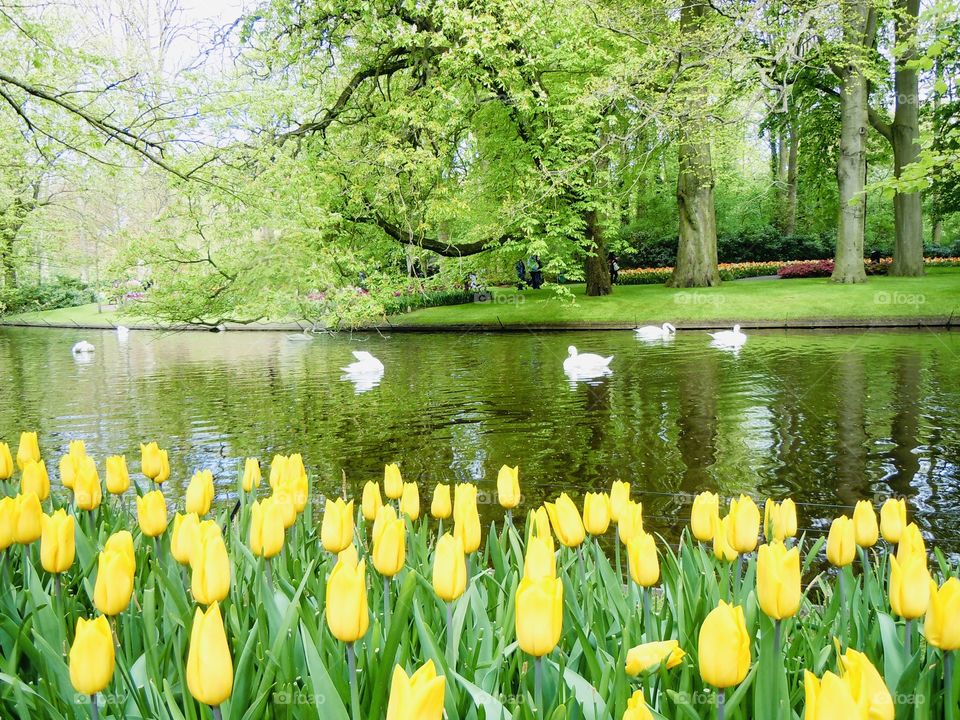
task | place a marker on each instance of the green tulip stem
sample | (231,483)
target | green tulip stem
(538,685)
(647,616)
(386,604)
(777,636)
(94,711)
(616,552)
(908,637)
(216,712)
(736,578)
(449,632)
(354,690)
(721,703)
(865,567)
(949,706)
(508,520)
(440,529)
(469,568)
(583,573)
(58,589)
(269,570)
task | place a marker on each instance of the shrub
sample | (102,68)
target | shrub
(409,300)
(60,292)
(816,268)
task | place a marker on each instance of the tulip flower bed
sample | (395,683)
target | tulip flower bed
(404,607)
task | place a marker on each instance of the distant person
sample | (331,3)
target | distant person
(875,257)
(536,274)
(521,274)
(614,269)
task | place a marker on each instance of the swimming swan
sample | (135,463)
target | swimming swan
(122,332)
(652,332)
(82,348)
(584,362)
(365,364)
(729,338)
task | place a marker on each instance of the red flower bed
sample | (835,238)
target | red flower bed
(813,268)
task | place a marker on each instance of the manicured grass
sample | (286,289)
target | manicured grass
(936,295)
(86,315)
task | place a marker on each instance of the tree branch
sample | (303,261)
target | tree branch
(436,245)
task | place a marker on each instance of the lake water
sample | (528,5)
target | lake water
(824,417)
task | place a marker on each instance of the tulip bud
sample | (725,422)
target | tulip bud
(298,482)
(637,708)
(893,519)
(251,474)
(200,493)
(703,516)
(28,518)
(278,470)
(114,585)
(35,479)
(68,468)
(566,521)
(154,462)
(390,548)
(266,528)
(87,493)
(724,647)
(596,513)
(209,664)
(336,530)
(779,520)
(6,462)
(8,522)
(539,619)
(346,601)
(283,497)
(57,547)
(441,507)
(186,534)
(909,586)
(91,656)
(619,499)
(540,525)
(410,501)
(911,543)
(644,562)
(508,487)
(152,513)
(464,495)
(722,548)
(28,450)
(778,580)
(830,698)
(539,561)
(942,626)
(418,697)
(118,477)
(788,516)
(841,542)
(122,542)
(449,568)
(867,686)
(392,481)
(210,580)
(631,521)
(371,501)
(649,655)
(865,527)
(466,526)
(744,527)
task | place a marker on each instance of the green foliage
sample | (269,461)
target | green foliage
(61,292)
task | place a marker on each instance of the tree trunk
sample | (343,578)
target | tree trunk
(852,163)
(936,236)
(597,267)
(697,251)
(905,137)
(790,198)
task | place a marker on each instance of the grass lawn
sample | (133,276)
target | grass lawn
(761,300)
(85,315)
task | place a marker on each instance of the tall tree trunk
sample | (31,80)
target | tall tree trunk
(697,251)
(852,163)
(597,267)
(790,197)
(936,235)
(905,136)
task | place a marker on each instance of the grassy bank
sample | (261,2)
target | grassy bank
(760,300)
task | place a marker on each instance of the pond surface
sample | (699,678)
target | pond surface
(824,417)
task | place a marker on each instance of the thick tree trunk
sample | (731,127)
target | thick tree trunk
(852,163)
(597,267)
(790,197)
(936,236)
(697,251)
(905,137)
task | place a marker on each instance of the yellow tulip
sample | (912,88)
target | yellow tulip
(118,477)
(418,697)
(28,450)
(540,527)
(909,586)
(266,528)
(441,508)
(385,515)
(91,656)
(251,474)
(410,501)
(466,526)
(283,497)
(644,562)
(210,579)
(649,655)
(841,542)
(35,479)
(539,560)
(596,513)
(508,487)
(619,499)
(122,542)
(893,519)
(371,501)
(186,534)
(911,543)
(29,519)
(298,482)
(942,626)
(8,522)
(778,580)
(744,528)
(346,602)
(566,521)
(200,492)
(539,619)
(68,468)
(722,548)
(724,647)
(788,516)
(57,546)
(87,493)
(631,521)
(830,698)
(867,687)
(449,568)
(464,496)
(152,513)
(154,462)
(278,470)
(209,664)
(779,520)
(392,481)
(865,527)
(390,548)
(336,530)
(703,515)
(114,585)
(637,708)
(6,462)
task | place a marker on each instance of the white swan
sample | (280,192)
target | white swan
(585,362)
(729,338)
(122,332)
(82,348)
(365,364)
(652,332)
